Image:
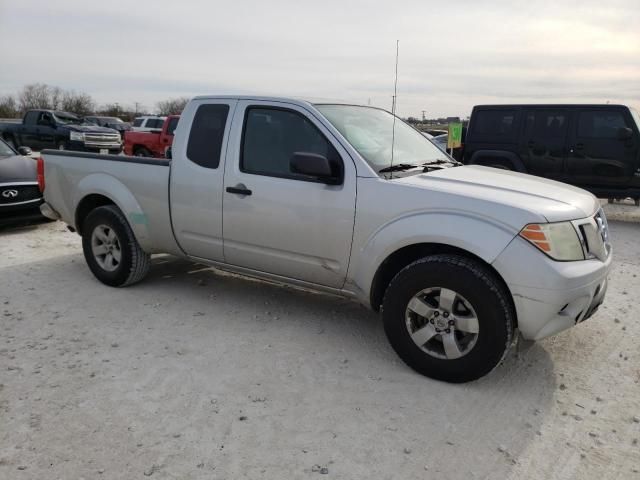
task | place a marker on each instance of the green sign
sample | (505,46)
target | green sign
(454,140)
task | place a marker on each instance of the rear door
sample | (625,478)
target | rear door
(197,178)
(543,141)
(277,221)
(29,131)
(598,156)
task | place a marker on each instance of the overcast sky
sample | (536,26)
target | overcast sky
(453,54)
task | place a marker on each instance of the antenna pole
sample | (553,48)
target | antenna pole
(393,109)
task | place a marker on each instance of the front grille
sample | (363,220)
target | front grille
(19,193)
(102,139)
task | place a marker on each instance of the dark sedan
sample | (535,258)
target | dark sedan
(20,197)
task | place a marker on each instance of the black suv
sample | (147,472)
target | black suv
(595,147)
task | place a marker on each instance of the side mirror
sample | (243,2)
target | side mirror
(314,165)
(26,151)
(167,153)
(625,133)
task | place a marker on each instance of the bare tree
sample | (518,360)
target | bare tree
(8,107)
(35,95)
(56,94)
(78,103)
(172,106)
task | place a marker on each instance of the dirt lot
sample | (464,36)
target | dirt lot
(197,374)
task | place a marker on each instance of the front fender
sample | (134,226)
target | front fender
(118,193)
(483,237)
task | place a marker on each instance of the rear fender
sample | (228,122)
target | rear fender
(120,195)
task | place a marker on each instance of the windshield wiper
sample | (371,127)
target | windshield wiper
(398,167)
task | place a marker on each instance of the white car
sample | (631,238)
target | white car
(336,198)
(148,124)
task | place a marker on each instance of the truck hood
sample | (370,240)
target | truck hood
(90,128)
(554,201)
(17,169)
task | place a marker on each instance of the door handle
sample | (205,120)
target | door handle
(239,189)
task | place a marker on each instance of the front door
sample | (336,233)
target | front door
(277,221)
(598,155)
(543,143)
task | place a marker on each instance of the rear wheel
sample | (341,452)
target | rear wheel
(449,318)
(110,248)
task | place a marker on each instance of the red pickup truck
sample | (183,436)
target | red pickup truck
(151,144)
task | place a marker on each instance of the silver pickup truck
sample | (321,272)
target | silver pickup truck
(347,199)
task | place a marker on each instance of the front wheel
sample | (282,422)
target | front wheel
(110,248)
(449,318)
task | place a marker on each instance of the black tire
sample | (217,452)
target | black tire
(142,152)
(636,201)
(134,262)
(479,286)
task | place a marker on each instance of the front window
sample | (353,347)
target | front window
(6,150)
(371,132)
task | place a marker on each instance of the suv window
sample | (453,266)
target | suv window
(207,132)
(600,124)
(495,123)
(272,135)
(137,122)
(546,124)
(154,123)
(173,123)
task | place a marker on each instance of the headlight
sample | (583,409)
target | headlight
(76,136)
(558,240)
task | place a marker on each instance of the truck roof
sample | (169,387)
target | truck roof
(294,100)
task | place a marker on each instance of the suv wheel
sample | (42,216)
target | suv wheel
(110,248)
(448,318)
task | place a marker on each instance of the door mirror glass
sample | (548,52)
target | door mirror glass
(26,151)
(313,165)
(625,133)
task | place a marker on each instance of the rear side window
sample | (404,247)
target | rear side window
(600,124)
(207,133)
(137,122)
(31,118)
(173,123)
(271,137)
(495,123)
(543,124)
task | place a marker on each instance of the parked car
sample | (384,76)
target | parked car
(110,122)
(456,257)
(148,123)
(20,197)
(151,144)
(42,129)
(596,147)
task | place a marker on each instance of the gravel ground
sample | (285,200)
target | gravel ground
(198,374)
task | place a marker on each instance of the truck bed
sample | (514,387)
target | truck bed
(138,186)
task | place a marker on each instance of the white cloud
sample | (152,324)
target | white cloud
(452,55)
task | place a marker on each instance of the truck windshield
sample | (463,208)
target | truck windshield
(67,119)
(370,131)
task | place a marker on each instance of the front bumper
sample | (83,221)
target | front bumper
(21,214)
(82,147)
(551,296)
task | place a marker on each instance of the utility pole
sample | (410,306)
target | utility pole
(137,103)
(423,117)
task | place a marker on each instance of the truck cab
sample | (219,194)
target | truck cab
(152,143)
